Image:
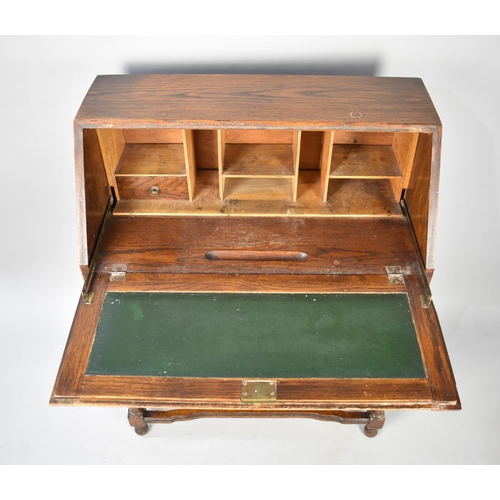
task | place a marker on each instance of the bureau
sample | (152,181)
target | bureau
(256,245)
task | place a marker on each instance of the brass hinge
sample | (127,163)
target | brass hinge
(426,298)
(258,391)
(395,275)
(118,272)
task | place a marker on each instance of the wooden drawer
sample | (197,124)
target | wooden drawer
(150,188)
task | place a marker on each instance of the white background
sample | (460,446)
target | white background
(42,83)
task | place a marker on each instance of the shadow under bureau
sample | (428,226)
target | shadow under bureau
(257,245)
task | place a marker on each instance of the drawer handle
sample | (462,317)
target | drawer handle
(155,190)
(263,255)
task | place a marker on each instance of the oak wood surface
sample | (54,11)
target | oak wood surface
(111,143)
(258,136)
(139,418)
(333,246)
(272,197)
(152,188)
(152,159)
(182,415)
(433,347)
(79,342)
(260,189)
(351,197)
(226,393)
(364,161)
(96,189)
(418,194)
(405,145)
(242,101)
(263,160)
(151,136)
(190,159)
(310,151)
(256,283)
(363,138)
(205,149)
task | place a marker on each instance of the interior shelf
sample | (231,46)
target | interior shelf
(360,160)
(149,164)
(258,164)
(260,160)
(362,197)
(257,171)
(349,198)
(152,160)
(151,171)
(360,156)
(258,188)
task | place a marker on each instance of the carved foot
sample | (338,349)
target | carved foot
(142,431)
(136,420)
(377,420)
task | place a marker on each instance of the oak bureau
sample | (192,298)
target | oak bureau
(256,245)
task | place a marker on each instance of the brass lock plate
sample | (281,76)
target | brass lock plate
(258,391)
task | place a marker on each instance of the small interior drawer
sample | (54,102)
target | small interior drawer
(148,188)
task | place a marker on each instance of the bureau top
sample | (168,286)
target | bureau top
(274,101)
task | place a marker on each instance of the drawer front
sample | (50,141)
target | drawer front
(150,188)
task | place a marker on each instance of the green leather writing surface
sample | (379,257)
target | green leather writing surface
(256,336)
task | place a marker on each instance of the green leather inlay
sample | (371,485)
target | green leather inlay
(256,336)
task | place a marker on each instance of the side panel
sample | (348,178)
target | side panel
(422,194)
(93,191)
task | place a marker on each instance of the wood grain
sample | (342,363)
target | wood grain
(247,101)
(152,159)
(376,162)
(259,136)
(364,138)
(326,162)
(255,283)
(97,192)
(151,136)
(271,197)
(226,393)
(333,246)
(111,142)
(310,151)
(79,343)
(190,159)
(433,347)
(418,195)
(205,148)
(143,187)
(361,197)
(263,160)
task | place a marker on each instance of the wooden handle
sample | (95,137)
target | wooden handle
(278,255)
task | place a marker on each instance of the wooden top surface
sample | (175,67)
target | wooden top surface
(239,101)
